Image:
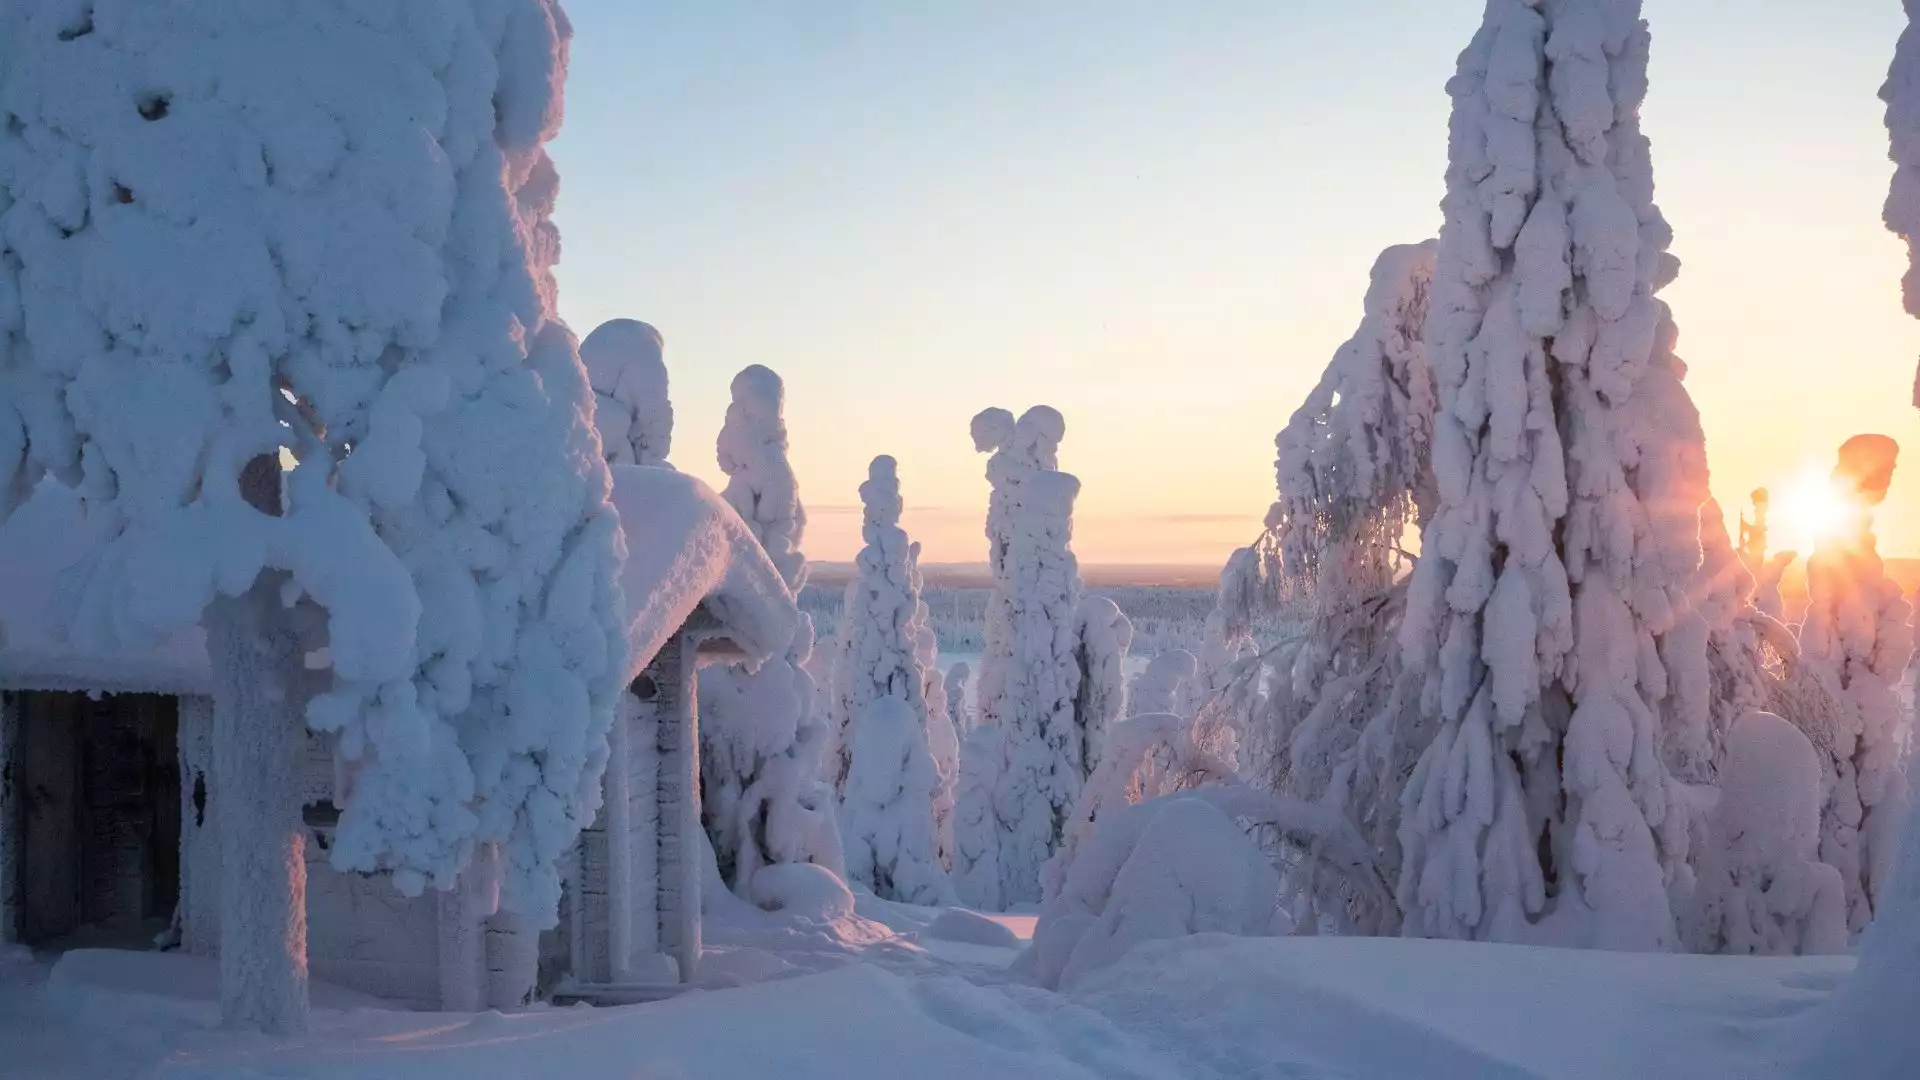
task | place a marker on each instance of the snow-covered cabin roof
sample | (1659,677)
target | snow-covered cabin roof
(686,547)
(49,533)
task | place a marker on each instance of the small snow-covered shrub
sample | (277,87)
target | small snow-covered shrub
(886,817)
(1103,633)
(1161,869)
(976,833)
(1762,886)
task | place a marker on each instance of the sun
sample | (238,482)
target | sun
(1807,509)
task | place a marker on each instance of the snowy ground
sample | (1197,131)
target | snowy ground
(907,1006)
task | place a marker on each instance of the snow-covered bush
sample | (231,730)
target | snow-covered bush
(1762,886)
(1165,685)
(324,229)
(976,831)
(878,635)
(886,815)
(1856,641)
(1103,634)
(1570,471)
(1029,680)
(1148,755)
(626,364)
(1163,869)
(762,748)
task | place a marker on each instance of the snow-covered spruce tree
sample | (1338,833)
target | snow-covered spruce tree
(1102,634)
(886,816)
(878,634)
(1763,888)
(626,364)
(1029,680)
(323,228)
(1571,470)
(1856,640)
(762,749)
(943,739)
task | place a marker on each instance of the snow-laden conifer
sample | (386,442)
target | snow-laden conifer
(1029,680)
(627,366)
(1571,470)
(879,628)
(762,749)
(1856,640)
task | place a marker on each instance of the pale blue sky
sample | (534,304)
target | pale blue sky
(1158,217)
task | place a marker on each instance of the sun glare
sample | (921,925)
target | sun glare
(1807,509)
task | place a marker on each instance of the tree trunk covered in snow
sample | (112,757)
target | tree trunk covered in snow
(257,734)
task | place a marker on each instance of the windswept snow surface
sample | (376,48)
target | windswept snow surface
(1200,1008)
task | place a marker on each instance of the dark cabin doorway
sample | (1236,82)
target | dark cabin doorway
(98,788)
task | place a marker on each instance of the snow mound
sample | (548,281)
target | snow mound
(802,890)
(971,928)
(684,547)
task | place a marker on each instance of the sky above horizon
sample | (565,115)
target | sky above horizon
(1159,219)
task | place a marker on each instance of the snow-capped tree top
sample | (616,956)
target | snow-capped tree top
(752,450)
(626,364)
(1865,469)
(686,547)
(1032,441)
(880,493)
(328,228)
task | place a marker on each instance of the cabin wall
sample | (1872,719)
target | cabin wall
(361,933)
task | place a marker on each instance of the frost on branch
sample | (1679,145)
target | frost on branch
(1764,889)
(886,817)
(1856,641)
(1354,464)
(1570,471)
(626,364)
(1029,679)
(761,747)
(327,229)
